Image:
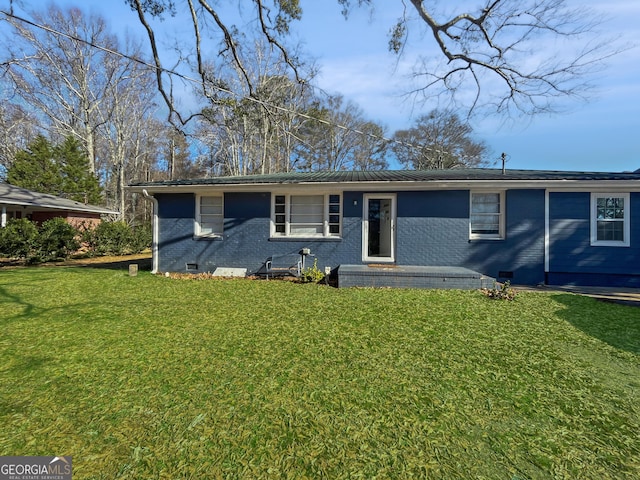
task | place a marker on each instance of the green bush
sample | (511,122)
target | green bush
(56,239)
(18,238)
(141,238)
(110,238)
(312,274)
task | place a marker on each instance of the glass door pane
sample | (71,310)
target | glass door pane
(379,229)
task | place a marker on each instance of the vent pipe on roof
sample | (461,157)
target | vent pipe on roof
(503,157)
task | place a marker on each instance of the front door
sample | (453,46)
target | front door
(378,229)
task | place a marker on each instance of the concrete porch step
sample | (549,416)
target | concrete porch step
(412,276)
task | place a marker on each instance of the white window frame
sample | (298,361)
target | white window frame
(326,215)
(198,220)
(626,229)
(501,219)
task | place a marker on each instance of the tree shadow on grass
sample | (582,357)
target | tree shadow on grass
(144,262)
(611,322)
(7,298)
(119,264)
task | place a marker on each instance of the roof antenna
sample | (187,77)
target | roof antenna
(503,157)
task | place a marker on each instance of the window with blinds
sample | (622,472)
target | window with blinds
(306,215)
(487,215)
(209,216)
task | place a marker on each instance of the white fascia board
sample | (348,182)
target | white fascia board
(598,186)
(70,208)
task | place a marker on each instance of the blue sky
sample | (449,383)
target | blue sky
(601,135)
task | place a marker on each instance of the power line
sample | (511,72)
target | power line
(201,83)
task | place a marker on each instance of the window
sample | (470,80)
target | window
(487,215)
(209,216)
(610,219)
(306,215)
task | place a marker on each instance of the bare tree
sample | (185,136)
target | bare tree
(177,158)
(252,133)
(338,137)
(64,79)
(438,140)
(64,69)
(17,130)
(124,118)
(144,154)
(371,152)
(497,56)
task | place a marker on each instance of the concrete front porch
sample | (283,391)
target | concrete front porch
(412,276)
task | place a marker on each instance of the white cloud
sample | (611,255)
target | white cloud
(369,81)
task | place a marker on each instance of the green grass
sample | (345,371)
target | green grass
(150,377)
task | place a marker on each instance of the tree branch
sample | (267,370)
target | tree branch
(159,70)
(275,43)
(229,42)
(499,41)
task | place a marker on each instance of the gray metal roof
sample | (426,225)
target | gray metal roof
(12,195)
(458,174)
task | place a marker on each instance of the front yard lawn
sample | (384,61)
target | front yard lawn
(152,377)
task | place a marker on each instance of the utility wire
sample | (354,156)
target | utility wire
(201,83)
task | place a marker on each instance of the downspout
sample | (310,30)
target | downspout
(154,231)
(3,218)
(547,238)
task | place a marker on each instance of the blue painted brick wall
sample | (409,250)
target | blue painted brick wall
(432,229)
(572,258)
(245,242)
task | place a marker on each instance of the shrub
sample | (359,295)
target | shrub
(18,238)
(56,239)
(502,292)
(312,274)
(141,238)
(109,238)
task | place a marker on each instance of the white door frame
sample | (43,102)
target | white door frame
(390,230)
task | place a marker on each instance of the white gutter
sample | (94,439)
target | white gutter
(154,231)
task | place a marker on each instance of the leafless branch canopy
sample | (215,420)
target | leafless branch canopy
(510,56)
(505,56)
(209,24)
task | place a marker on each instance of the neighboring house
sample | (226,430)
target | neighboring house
(529,227)
(16,202)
